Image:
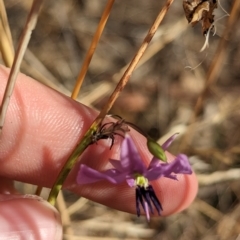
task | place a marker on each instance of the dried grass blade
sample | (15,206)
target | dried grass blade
(23,43)
(92,48)
(5,23)
(5,47)
(6,43)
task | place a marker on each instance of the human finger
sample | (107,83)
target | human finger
(42,128)
(26,216)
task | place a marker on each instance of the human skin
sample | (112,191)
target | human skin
(41,129)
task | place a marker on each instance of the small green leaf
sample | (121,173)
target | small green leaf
(156,150)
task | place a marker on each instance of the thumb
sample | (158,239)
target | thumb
(26,216)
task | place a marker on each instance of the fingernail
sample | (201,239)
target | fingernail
(8,197)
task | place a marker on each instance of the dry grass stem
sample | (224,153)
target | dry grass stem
(38,191)
(5,47)
(127,228)
(123,81)
(72,237)
(32,65)
(6,44)
(66,221)
(207,209)
(76,206)
(5,24)
(92,48)
(218,177)
(23,43)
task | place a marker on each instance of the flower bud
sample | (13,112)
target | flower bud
(156,150)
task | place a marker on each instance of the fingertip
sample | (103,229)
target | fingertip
(191,185)
(41,129)
(59,122)
(28,217)
(176,195)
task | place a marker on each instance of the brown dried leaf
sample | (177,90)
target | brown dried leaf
(189,8)
(200,10)
(208,18)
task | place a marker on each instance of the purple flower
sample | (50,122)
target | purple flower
(131,169)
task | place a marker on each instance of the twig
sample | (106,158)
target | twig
(218,177)
(87,138)
(24,40)
(207,209)
(92,48)
(76,206)
(74,237)
(228,221)
(213,72)
(66,221)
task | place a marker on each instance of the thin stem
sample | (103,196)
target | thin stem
(38,191)
(65,216)
(5,47)
(84,142)
(6,43)
(123,81)
(92,48)
(87,138)
(24,40)
(5,23)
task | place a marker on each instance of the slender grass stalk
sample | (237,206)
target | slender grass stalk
(23,43)
(65,216)
(92,48)
(5,47)
(6,43)
(87,138)
(5,23)
(38,191)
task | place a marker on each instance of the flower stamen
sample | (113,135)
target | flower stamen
(146,197)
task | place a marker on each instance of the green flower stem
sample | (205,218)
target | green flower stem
(83,144)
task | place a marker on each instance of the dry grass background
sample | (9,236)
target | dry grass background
(160,98)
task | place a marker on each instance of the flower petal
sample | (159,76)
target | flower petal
(179,165)
(169,141)
(130,159)
(116,164)
(182,164)
(157,173)
(130,182)
(89,175)
(154,163)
